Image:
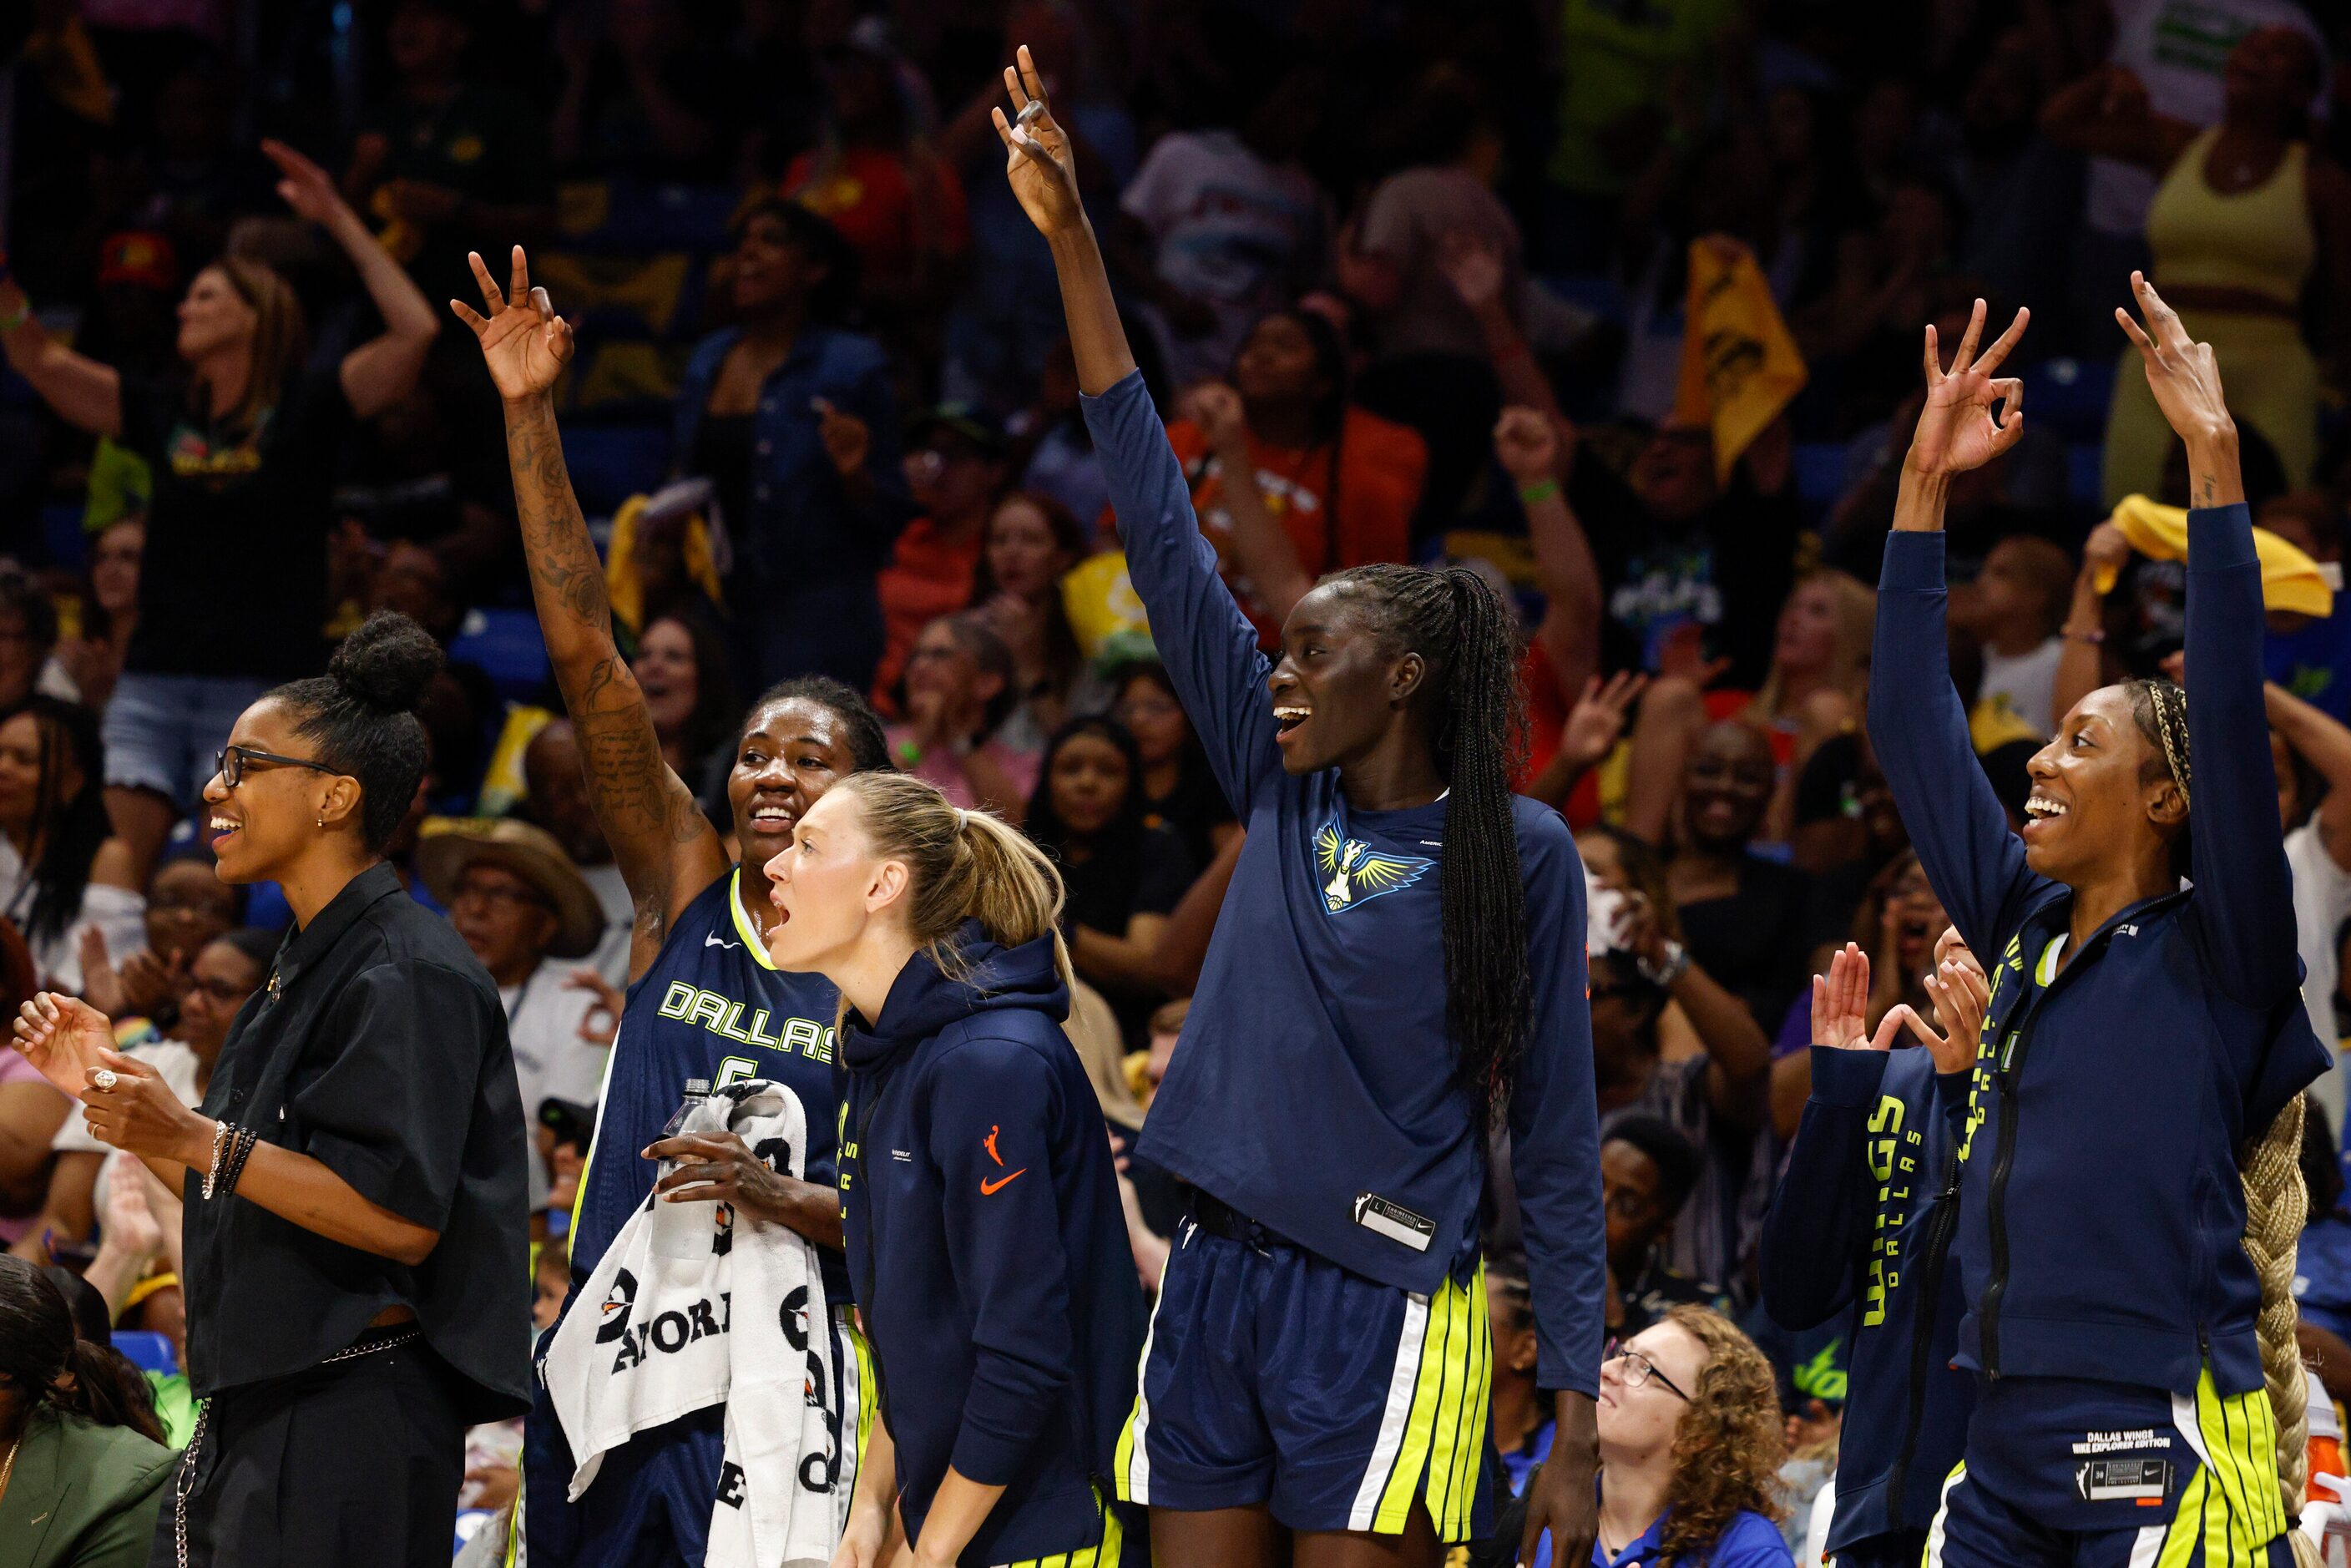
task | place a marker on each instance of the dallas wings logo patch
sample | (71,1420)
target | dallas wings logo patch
(1356,873)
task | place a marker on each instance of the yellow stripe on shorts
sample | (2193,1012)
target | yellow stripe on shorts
(1444,1434)
(2232,1507)
(1105,1554)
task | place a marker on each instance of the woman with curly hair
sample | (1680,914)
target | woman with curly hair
(1690,1439)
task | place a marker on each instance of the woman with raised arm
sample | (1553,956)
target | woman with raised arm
(242,444)
(1320,1356)
(2129,1186)
(705,1001)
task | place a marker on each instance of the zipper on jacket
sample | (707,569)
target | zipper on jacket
(2011,1068)
(2003,1156)
(865,1293)
(1939,1230)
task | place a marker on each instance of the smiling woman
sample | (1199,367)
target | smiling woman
(702,923)
(369,1105)
(1339,1176)
(2175,1310)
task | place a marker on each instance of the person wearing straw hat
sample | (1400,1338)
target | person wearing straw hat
(530,917)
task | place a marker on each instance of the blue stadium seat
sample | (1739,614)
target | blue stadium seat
(1595,292)
(147,1350)
(505,645)
(610,463)
(2070,396)
(2085,478)
(61,535)
(1820,473)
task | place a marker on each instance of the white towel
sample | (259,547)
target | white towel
(687,1310)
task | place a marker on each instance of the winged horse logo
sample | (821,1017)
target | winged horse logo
(1357,872)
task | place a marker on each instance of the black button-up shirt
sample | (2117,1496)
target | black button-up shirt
(378,1049)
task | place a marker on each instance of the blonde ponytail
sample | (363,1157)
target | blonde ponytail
(2275,1205)
(961,865)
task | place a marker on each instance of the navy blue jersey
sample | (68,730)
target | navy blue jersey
(2102,1208)
(1315,1089)
(710,1007)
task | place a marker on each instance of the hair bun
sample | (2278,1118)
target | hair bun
(387,662)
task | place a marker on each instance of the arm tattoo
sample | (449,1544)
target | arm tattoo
(646,812)
(567,577)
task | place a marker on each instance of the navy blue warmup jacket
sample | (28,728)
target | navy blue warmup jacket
(2101,1205)
(1864,1218)
(989,1253)
(1313,1090)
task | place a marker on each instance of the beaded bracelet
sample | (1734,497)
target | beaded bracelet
(246,1138)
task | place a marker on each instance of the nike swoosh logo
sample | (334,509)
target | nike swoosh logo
(710,940)
(990,1189)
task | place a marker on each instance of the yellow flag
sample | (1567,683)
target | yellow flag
(1740,366)
(2291,580)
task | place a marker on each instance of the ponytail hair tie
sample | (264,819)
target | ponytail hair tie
(963,818)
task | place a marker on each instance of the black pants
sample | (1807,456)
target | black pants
(355,1464)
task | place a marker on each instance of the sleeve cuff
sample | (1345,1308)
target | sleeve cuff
(1913,560)
(1951,1090)
(1846,1080)
(991,1459)
(2220,538)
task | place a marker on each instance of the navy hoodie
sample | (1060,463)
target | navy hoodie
(1863,1219)
(987,1246)
(2101,1210)
(1313,1089)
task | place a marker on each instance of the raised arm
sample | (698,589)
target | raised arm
(1264,548)
(383,370)
(2244,890)
(78,390)
(2326,746)
(2106,113)
(1209,647)
(1815,1233)
(1918,725)
(665,847)
(1536,444)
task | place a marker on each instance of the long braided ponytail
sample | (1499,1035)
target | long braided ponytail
(2275,1205)
(1469,638)
(2276,1202)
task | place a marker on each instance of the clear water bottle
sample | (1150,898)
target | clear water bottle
(683,1230)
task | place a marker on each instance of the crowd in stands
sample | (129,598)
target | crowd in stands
(1411,282)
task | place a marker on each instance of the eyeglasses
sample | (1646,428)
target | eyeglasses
(232,761)
(1639,1369)
(222,991)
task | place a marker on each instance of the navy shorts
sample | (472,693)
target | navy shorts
(2061,1473)
(1273,1377)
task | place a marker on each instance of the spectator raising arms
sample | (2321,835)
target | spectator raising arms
(1339,482)
(700,921)
(1339,1178)
(232,587)
(2246,212)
